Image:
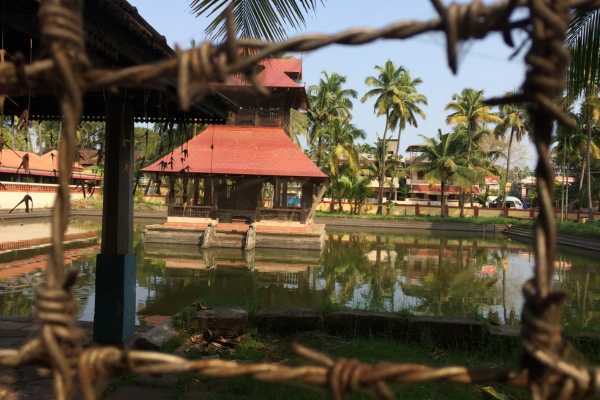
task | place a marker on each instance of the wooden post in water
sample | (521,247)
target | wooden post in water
(114,316)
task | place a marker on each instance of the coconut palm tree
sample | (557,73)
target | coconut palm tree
(514,123)
(339,137)
(442,160)
(355,189)
(382,167)
(583,37)
(467,109)
(591,113)
(397,99)
(329,101)
(258,19)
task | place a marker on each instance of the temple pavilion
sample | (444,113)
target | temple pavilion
(249,169)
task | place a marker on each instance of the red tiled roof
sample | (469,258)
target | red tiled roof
(39,165)
(274,74)
(239,150)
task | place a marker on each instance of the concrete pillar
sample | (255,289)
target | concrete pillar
(114,316)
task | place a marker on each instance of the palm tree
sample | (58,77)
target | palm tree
(441,161)
(513,122)
(329,101)
(382,167)
(591,111)
(583,37)
(467,109)
(567,156)
(257,19)
(356,190)
(339,137)
(398,100)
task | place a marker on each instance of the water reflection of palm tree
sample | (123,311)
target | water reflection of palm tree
(449,287)
(497,258)
(344,262)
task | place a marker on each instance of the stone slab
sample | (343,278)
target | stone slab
(221,321)
(286,322)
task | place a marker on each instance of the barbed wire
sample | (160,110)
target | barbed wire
(67,73)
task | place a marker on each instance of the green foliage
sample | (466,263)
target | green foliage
(257,19)
(396,98)
(583,38)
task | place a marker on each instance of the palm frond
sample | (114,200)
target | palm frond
(260,19)
(583,38)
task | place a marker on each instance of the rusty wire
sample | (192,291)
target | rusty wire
(66,71)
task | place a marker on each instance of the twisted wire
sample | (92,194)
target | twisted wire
(61,28)
(339,376)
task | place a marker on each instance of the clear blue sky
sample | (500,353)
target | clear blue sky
(483,64)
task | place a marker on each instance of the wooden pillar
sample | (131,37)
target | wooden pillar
(196,195)
(213,199)
(184,188)
(276,193)
(284,192)
(114,316)
(171,195)
(307,194)
(158,183)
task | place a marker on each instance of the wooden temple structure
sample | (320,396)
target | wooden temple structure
(116,36)
(247,172)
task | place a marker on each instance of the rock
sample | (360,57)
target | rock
(285,322)
(155,338)
(226,322)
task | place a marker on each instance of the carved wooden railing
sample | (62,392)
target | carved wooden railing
(177,210)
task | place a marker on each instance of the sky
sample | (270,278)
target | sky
(482,65)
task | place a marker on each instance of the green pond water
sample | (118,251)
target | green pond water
(416,272)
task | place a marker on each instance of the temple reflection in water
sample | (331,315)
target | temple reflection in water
(418,272)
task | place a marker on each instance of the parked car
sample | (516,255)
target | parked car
(510,202)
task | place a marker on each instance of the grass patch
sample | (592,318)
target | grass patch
(573,228)
(139,203)
(276,349)
(430,218)
(567,227)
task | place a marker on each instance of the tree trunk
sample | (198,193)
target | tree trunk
(589,174)
(319,141)
(462,202)
(397,157)
(503,188)
(382,172)
(563,197)
(332,201)
(315,204)
(443,200)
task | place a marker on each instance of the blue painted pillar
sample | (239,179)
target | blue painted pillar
(114,311)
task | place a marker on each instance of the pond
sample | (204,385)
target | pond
(416,272)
